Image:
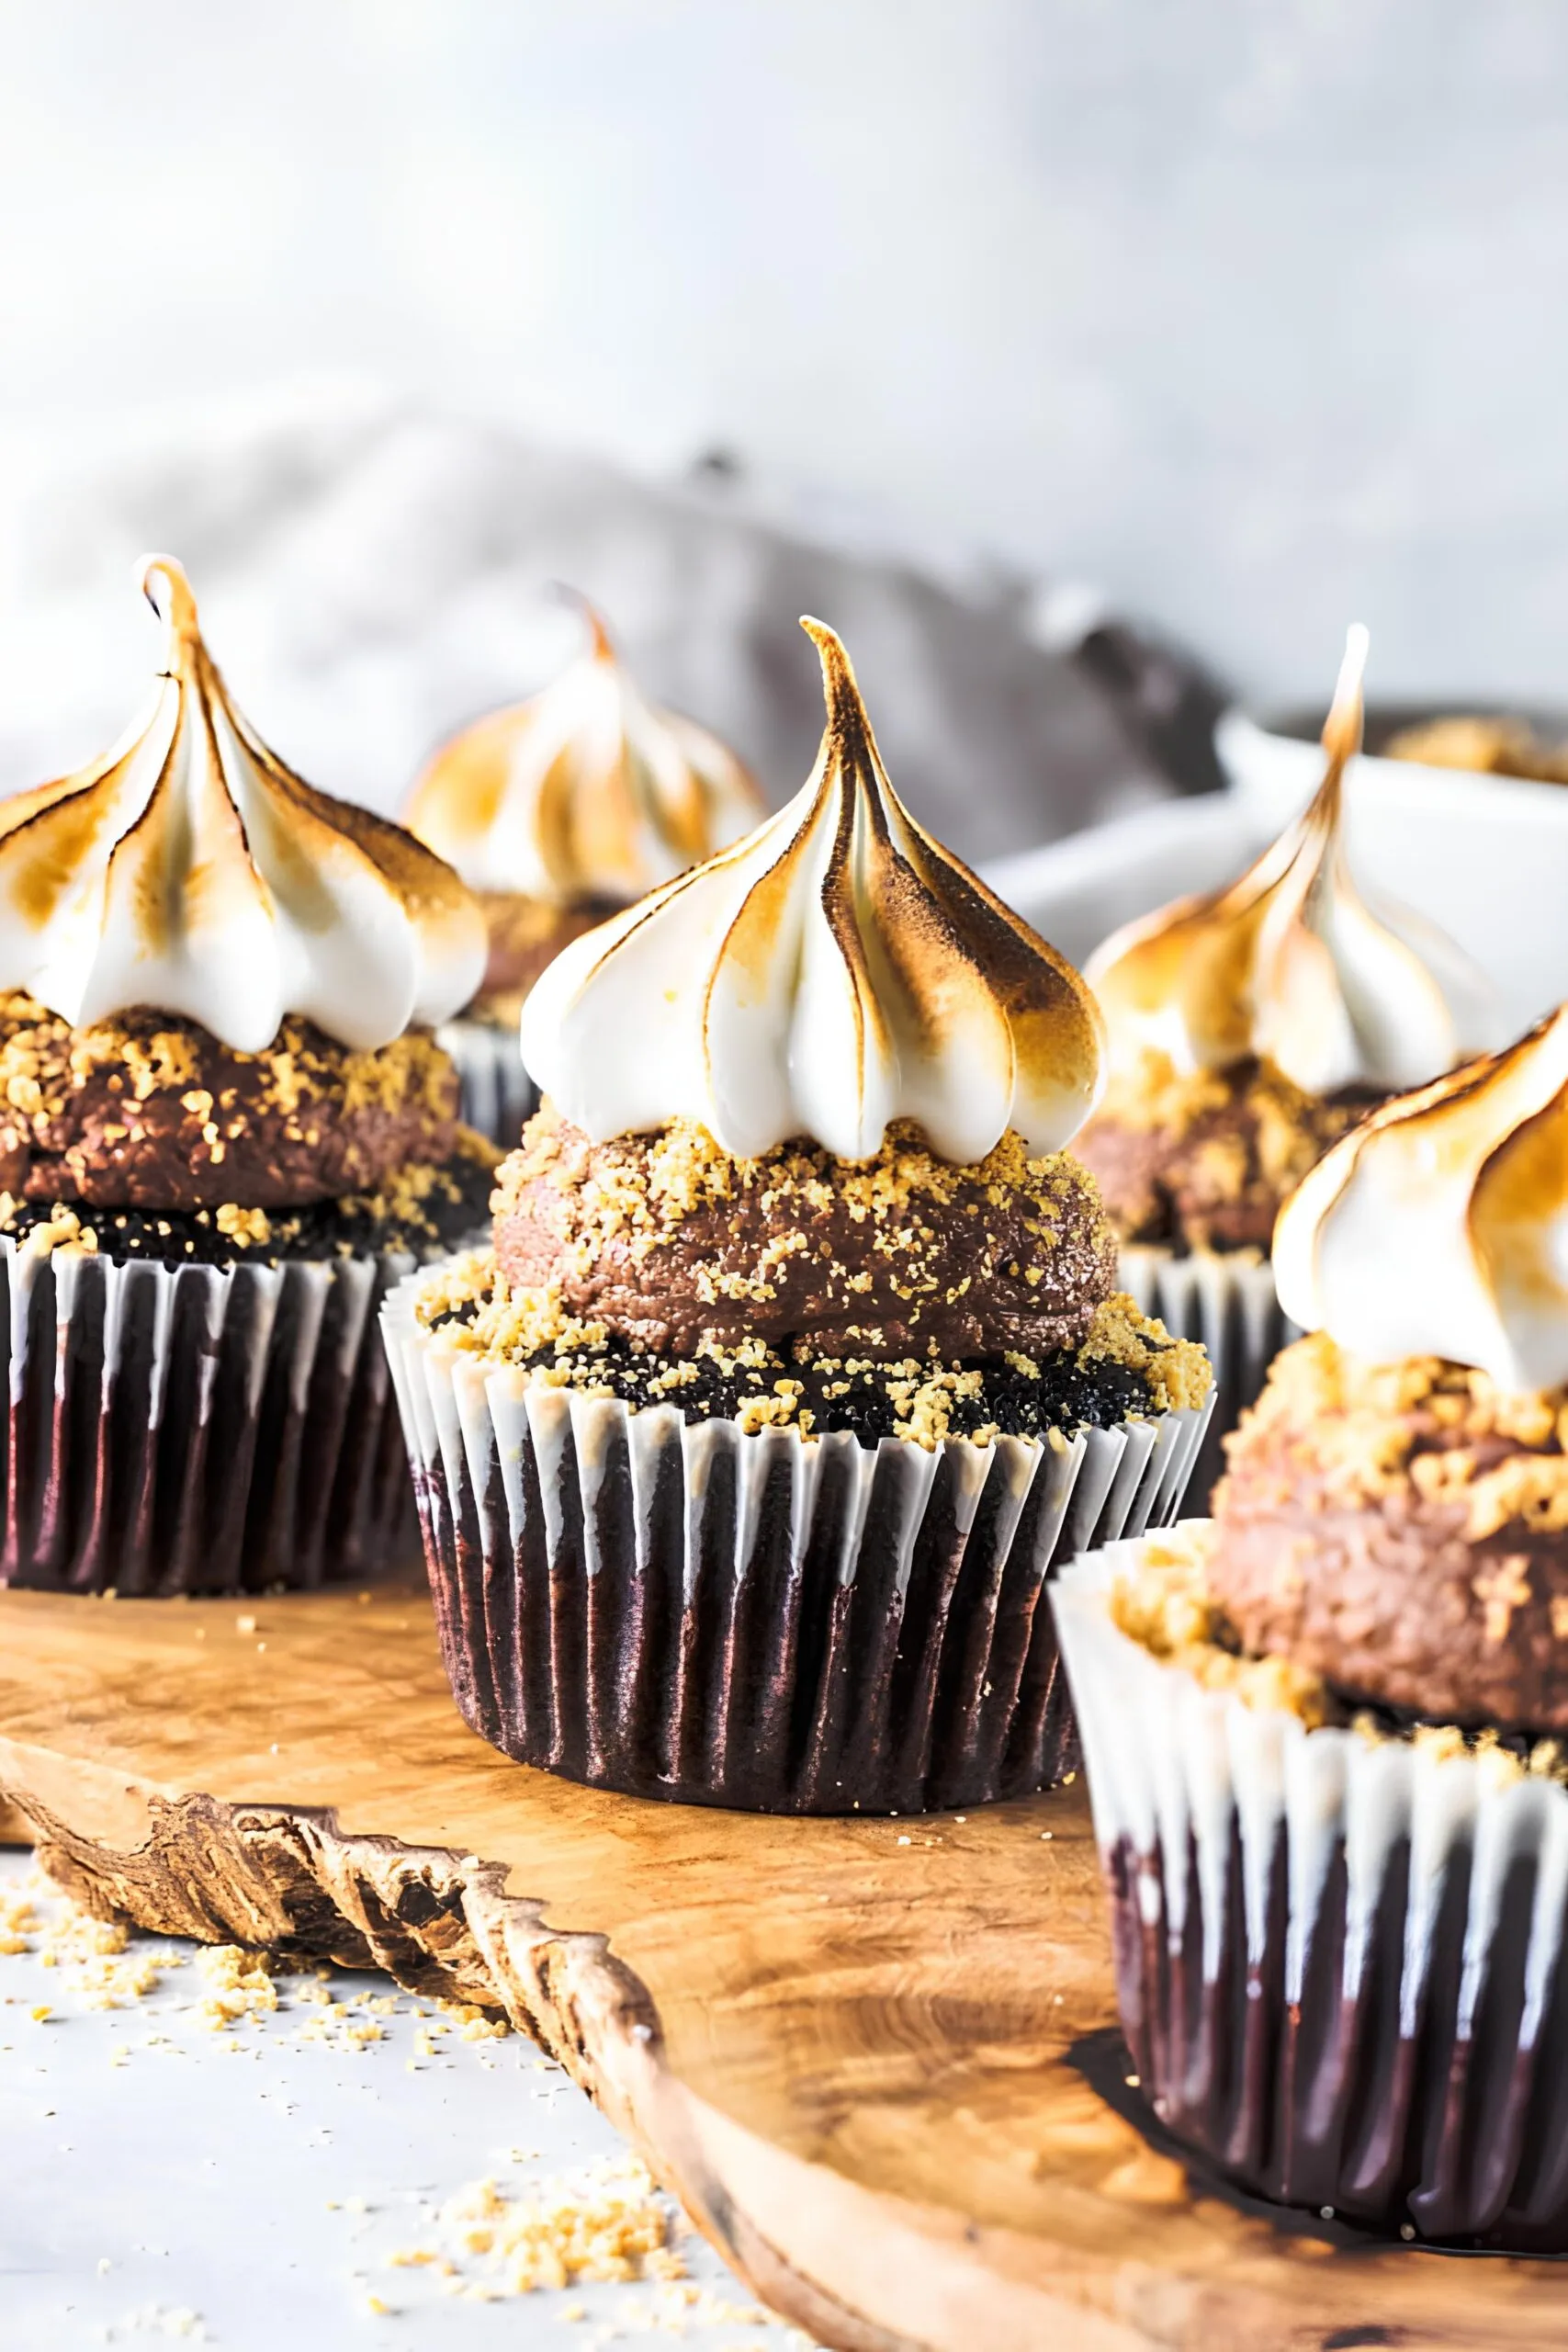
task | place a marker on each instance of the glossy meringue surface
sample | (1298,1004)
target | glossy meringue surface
(1439,1227)
(1289,963)
(834,972)
(583,792)
(190,869)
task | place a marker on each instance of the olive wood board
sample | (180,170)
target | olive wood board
(875,2059)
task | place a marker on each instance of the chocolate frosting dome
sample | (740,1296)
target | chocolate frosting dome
(1288,965)
(584,791)
(1440,1227)
(835,972)
(189,869)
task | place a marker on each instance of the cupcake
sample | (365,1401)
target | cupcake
(798,1359)
(558,812)
(226,1130)
(1248,1029)
(1327,1731)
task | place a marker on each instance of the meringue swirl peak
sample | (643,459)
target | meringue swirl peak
(835,972)
(189,869)
(1440,1225)
(583,792)
(1288,963)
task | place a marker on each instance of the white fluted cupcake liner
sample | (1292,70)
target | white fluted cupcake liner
(1340,1961)
(1227,1299)
(198,1428)
(687,1611)
(497,1093)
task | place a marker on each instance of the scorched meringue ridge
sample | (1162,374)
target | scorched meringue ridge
(1247,1026)
(834,973)
(191,870)
(1440,1225)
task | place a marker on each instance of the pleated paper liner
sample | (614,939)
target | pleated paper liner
(198,1428)
(497,1093)
(1226,1299)
(756,1620)
(1339,1961)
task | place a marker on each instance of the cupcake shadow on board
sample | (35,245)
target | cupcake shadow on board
(1326,1731)
(1248,1029)
(797,1360)
(557,812)
(226,1131)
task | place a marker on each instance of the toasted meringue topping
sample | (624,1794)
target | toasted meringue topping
(1288,963)
(835,972)
(191,870)
(1440,1227)
(583,792)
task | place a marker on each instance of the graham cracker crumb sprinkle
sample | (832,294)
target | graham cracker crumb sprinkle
(252,1227)
(922,1399)
(607,2224)
(62,1230)
(1178,1373)
(1154,1093)
(1165,1605)
(55,1079)
(641,1190)
(1425,1426)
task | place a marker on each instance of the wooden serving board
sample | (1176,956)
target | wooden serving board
(875,2059)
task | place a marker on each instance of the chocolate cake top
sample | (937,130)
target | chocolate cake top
(667,1240)
(1401,1531)
(152,1110)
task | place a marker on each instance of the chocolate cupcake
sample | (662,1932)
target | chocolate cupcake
(226,1131)
(798,1359)
(1248,1029)
(1327,1731)
(558,812)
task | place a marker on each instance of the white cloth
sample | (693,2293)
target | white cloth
(370,577)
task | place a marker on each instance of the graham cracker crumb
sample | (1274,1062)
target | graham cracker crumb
(1165,1606)
(1373,1426)
(1178,1373)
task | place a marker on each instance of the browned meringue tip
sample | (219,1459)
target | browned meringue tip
(601,644)
(848,723)
(163,583)
(837,670)
(1343,728)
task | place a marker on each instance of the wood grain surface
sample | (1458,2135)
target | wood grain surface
(876,2059)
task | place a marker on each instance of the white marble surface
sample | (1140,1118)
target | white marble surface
(247,2188)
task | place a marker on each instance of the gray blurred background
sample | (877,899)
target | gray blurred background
(1245,316)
